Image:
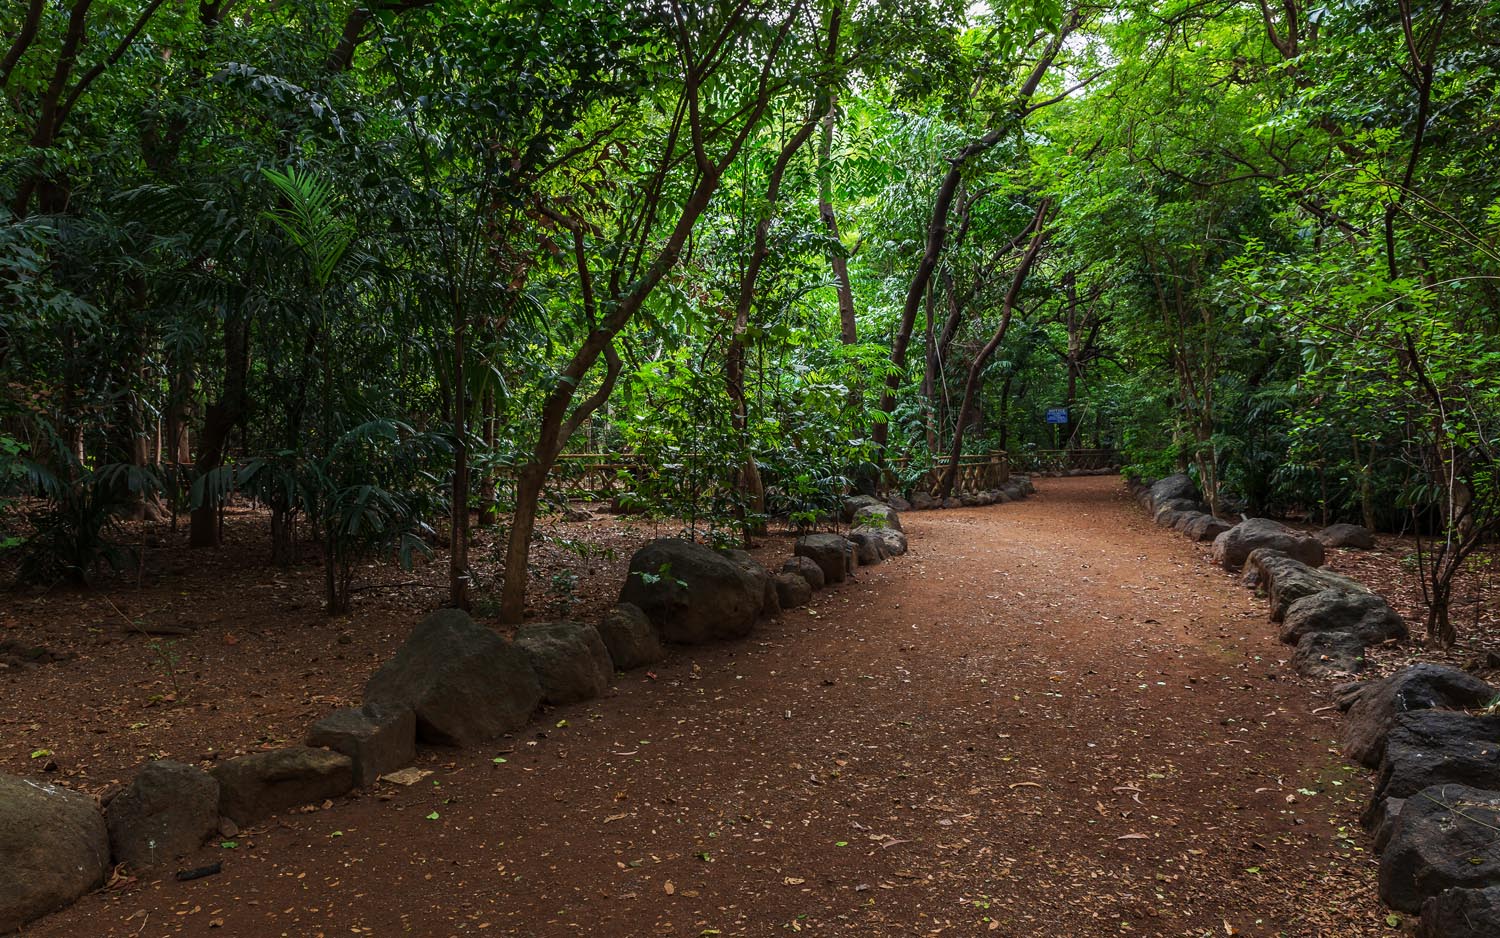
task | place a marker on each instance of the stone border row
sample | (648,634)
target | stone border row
(1434,814)
(452,683)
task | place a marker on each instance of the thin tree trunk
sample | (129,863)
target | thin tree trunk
(976,370)
(937,227)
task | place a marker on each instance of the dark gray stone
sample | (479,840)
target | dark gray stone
(806,568)
(254,787)
(923,501)
(869,547)
(1325,654)
(692,594)
(167,811)
(1423,686)
(898,503)
(852,505)
(630,637)
(1286,579)
(892,542)
(792,590)
(1346,535)
(1461,913)
(466,684)
(1366,615)
(833,554)
(569,658)
(1445,838)
(1204,528)
(770,607)
(1436,747)
(1384,822)
(951,502)
(1233,546)
(1173,487)
(54,848)
(379,738)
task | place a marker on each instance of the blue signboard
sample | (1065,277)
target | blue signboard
(1057,415)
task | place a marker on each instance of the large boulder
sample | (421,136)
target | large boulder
(1346,535)
(167,811)
(692,594)
(832,553)
(378,738)
(792,590)
(924,501)
(1326,654)
(254,787)
(806,568)
(1233,546)
(898,503)
(1461,913)
(1174,487)
(54,845)
(1334,610)
(1437,747)
(1287,579)
(1445,838)
(569,658)
(466,684)
(1423,686)
(630,637)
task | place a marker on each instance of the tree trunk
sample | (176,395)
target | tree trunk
(219,420)
(937,227)
(458,527)
(489,512)
(976,369)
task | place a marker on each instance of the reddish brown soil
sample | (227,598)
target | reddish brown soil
(1050,719)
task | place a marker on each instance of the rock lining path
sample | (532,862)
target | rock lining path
(1050,719)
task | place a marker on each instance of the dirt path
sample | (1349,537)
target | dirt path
(1050,719)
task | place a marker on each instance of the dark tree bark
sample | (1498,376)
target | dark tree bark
(976,370)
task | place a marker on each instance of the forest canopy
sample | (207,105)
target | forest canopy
(384,269)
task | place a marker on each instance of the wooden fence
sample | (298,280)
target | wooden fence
(976,473)
(1062,460)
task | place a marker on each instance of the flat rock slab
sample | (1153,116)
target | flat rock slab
(1233,547)
(1365,615)
(1326,654)
(54,847)
(630,637)
(692,594)
(1287,579)
(1204,528)
(570,660)
(254,787)
(1437,747)
(379,738)
(1445,838)
(466,684)
(167,811)
(1346,535)
(1423,686)
(1461,913)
